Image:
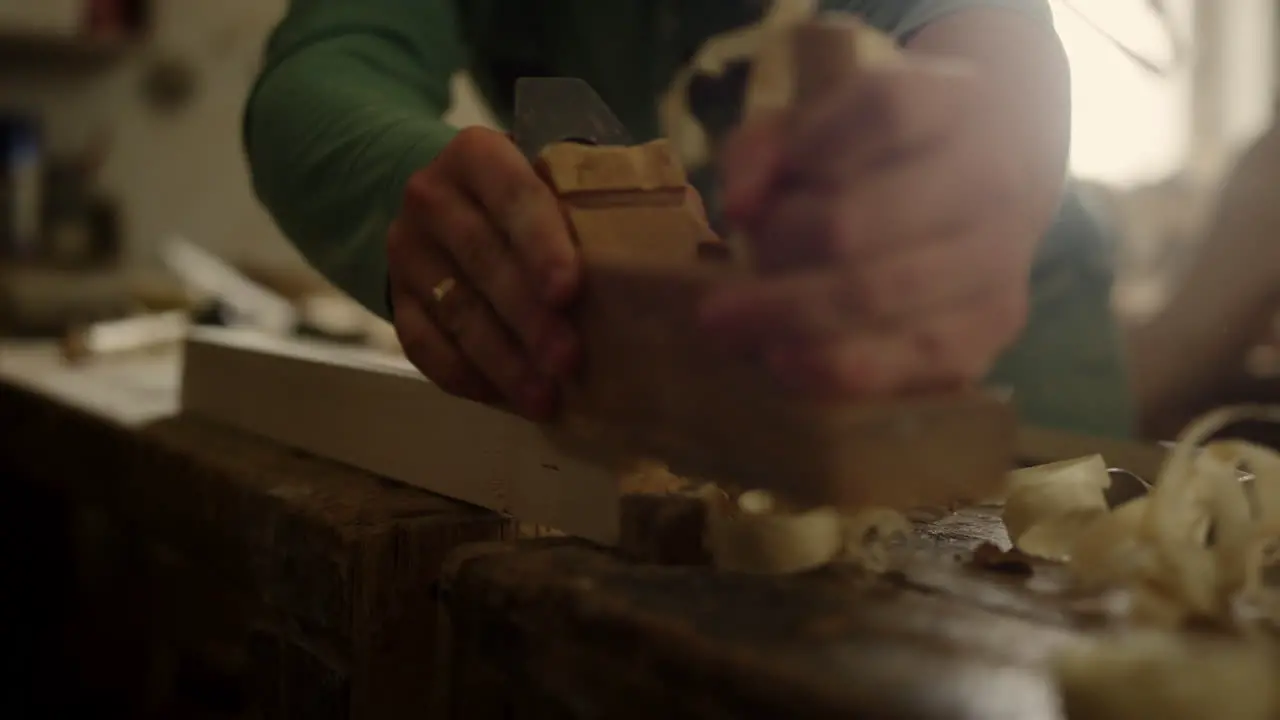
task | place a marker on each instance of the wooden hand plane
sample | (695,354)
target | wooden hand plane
(654,386)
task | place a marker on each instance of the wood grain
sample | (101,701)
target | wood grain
(548,629)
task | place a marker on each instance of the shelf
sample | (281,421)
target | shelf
(28,50)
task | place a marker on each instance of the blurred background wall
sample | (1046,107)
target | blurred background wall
(172,169)
(156,112)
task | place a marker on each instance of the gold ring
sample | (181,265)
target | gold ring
(443,288)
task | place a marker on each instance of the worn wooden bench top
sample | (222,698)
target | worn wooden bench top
(305,586)
(611,639)
(546,628)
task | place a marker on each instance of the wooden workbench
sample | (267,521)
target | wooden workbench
(207,573)
(220,576)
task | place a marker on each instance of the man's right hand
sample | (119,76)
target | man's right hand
(481,265)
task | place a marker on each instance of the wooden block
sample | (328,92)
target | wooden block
(630,205)
(653,385)
(574,168)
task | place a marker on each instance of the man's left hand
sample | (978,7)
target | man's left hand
(891,231)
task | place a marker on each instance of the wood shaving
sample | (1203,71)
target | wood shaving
(753,531)
(1187,550)
(755,536)
(1055,538)
(1109,554)
(1194,550)
(1047,506)
(759,534)
(761,46)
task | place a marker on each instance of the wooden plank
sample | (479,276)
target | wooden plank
(376,413)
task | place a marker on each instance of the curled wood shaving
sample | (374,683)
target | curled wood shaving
(1187,510)
(763,47)
(758,534)
(1055,537)
(1046,506)
(1109,553)
(1187,550)
(753,531)
(755,536)
(1196,548)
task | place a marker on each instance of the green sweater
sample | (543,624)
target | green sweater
(349,104)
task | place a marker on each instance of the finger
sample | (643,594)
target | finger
(948,348)
(435,355)
(919,198)
(876,116)
(880,294)
(476,247)
(466,318)
(422,341)
(498,176)
(749,162)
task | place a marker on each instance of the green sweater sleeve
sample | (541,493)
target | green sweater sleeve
(347,106)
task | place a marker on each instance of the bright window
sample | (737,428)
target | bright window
(1129,125)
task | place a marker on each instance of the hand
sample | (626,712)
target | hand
(481,262)
(891,233)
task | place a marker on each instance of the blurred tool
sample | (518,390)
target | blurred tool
(22,183)
(81,225)
(125,335)
(244,301)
